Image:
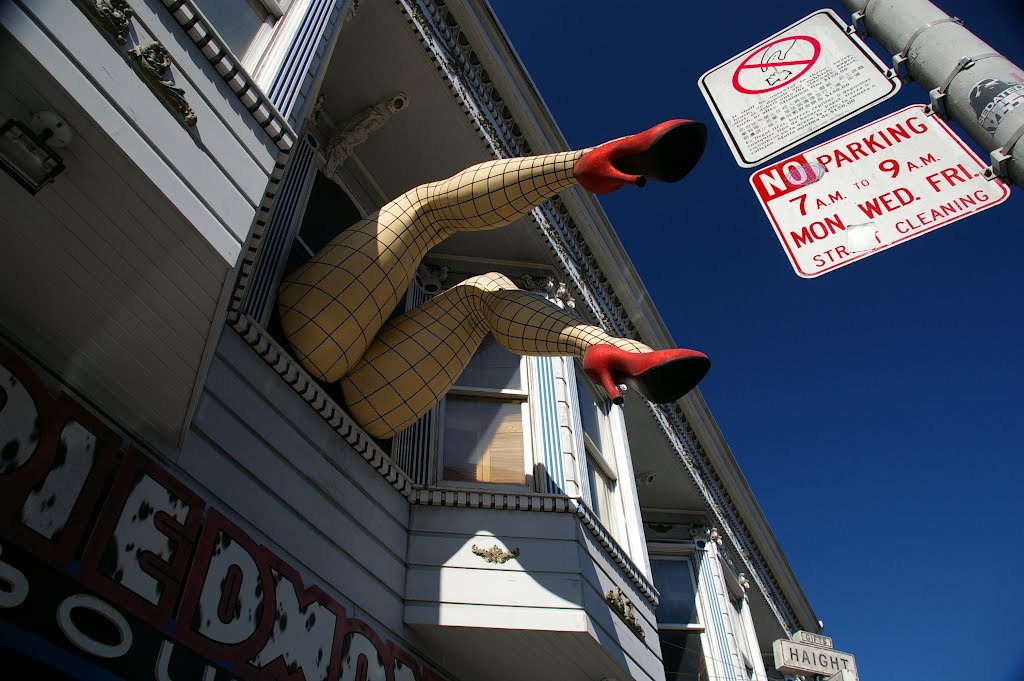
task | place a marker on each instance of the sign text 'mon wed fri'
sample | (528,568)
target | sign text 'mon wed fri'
(796,84)
(888,182)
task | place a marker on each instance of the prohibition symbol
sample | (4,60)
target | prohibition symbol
(776,64)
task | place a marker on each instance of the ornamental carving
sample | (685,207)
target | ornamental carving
(495,554)
(623,607)
(706,533)
(115,16)
(556,291)
(155,62)
(358,129)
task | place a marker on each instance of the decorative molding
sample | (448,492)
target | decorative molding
(356,130)
(555,291)
(706,533)
(623,607)
(601,534)
(432,278)
(743,581)
(229,68)
(155,63)
(495,554)
(286,367)
(350,12)
(115,16)
(661,528)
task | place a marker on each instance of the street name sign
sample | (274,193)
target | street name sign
(796,84)
(811,639)
(871,189)
(792,657)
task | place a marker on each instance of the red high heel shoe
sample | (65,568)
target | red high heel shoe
(666,152)
(660,375)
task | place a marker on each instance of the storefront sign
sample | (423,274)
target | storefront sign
(811,639)
(792,657)
(871,189)
(115,565)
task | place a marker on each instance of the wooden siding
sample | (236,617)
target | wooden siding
(115,276)
(216,172)
(101,279)
(266,454)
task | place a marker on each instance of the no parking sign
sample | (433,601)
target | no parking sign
(796,84)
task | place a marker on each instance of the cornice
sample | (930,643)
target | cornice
(231,72)
(452,51)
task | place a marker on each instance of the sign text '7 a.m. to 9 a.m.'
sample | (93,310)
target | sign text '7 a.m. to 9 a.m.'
(876,187)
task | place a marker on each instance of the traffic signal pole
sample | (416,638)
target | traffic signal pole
(968,81)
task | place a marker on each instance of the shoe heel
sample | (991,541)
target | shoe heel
(604,379)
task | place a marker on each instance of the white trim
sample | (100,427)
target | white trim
(265,65)
(629,498)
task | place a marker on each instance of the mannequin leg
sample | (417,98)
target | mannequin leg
(417,357)
(332,307)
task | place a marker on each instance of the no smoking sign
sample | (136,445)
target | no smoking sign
(776,64)
(794,85)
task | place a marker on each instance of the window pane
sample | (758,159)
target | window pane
(483,441)
(237,21)
(678,599)
(492,367)
(593,412)
(682,655)
(601,490)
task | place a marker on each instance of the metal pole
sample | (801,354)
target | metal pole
(986,93)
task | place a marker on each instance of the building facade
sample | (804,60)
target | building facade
(179,499)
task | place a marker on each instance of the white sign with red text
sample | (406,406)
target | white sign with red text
(794,85)
(871,189)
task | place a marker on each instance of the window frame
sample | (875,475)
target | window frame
(682,554)
(503,395)
(742,622)
(608,462)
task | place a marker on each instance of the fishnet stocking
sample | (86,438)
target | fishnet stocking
(417,357)
(332,307)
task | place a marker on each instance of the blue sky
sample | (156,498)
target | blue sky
(875,410)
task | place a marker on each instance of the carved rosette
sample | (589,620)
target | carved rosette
(155,63)
(623,607)
(495,554)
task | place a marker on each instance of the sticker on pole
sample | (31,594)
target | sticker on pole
(871,189)
(794,85)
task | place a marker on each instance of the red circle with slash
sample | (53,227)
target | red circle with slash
(805,64)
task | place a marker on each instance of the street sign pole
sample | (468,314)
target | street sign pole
(967,79)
